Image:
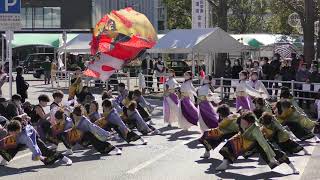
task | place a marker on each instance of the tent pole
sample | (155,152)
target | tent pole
(193,67)
(214,64)
(2,51)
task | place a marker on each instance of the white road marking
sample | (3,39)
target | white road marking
(149,162)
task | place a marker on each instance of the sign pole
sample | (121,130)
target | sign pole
(9,35)
(2,51)
(64,37)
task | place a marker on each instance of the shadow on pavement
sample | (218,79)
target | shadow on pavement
(195,144)
(265,175)
(182,135)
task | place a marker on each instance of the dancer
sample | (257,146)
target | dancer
(144,107)
(299,124)
(55,105)
(256,84)
(249,138)
(21,135)
(91,133)
(208,118)
(276,133)
(261,106)
(111,119)
(244,91)
(94,114)
(189,114)
(227,128)
(171,100)
(76,84)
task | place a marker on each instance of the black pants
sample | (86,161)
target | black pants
(158,83)
(100,146)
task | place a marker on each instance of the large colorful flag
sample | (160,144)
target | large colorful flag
(118,38)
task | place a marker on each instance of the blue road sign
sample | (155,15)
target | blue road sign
(10,6)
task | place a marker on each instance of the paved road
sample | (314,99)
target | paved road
(174,155)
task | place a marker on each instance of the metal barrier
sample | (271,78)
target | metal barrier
(297,88)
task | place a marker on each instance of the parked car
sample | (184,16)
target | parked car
(178,66)
(35,61)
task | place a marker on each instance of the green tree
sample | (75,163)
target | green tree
(220,12)
(247,16)
(179,14)
(278,22)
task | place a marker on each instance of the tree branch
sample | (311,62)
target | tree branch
(213,4)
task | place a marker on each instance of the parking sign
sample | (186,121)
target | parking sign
(10,18)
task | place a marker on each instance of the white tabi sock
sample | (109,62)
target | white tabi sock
(305,151)
(144,142)
(295,171)
(316,139)
(118,151)
(67,160)
(3,162)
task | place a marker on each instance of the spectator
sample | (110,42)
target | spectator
(159,70)
(302,76)
(287,73)
(3,79)
(227,74)
(265,71)
(295,62)
(76,84)
(236,69)
(22,85)
(248,66)
(314,78)
(46,66)
(275,71)
(54,69)
(147,71)
(84,95)
(257,68)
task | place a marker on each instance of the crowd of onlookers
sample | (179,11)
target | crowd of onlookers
(278,69)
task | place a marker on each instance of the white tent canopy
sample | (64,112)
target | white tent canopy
(197,41)
(78,45)
(81,44)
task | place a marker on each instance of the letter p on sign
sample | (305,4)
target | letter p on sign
(9,3)
(10,6)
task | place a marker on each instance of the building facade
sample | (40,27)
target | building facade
(82,15)
(200,14)
(56,14)
(154,9)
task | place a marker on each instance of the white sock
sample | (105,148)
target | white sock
(316,139)
(3,162)
(305,151)
(66,160)
(118,151)
(144,142)
(69,152)
(295,171)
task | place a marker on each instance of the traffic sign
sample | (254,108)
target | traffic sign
(10,18)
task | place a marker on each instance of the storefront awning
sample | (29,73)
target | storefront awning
(39,39)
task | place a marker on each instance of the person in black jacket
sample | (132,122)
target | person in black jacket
(287,73)
(22,85)
(227,74)
(275,70)
(236,69)
(266,70)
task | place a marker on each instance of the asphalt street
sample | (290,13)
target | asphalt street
(173,155)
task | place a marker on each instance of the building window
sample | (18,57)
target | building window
(199,18)
(199,24)
(197,10)
(201,6)
(197,3)
(201,10)
(43,17)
